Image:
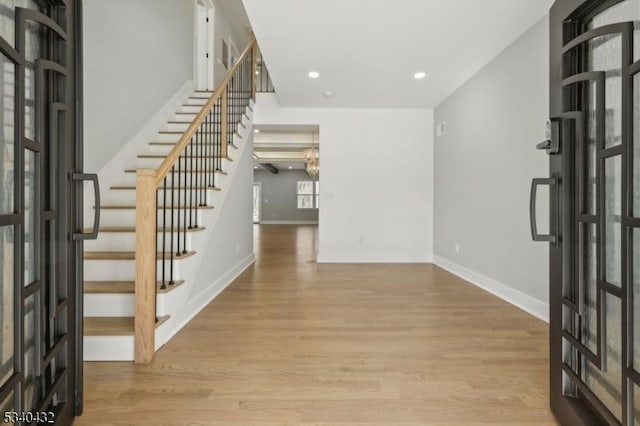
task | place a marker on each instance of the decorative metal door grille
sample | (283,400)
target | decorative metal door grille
(38,365)
(597,118)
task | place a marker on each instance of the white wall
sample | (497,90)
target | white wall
(224,249)
(483,170)
(232,238)
(377,180)
(224,29)
(137,55)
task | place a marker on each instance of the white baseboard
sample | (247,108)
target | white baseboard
(288,222)
(113,172)
(211,292)
(374,258)
(523,301)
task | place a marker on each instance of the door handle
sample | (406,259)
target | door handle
(92,177)
(535,183)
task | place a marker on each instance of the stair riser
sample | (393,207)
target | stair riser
(126,241)
(117,305)
(175,138)
(109,305)
(194,101)
(184,117)
(187,119)
(180,178)
(128,217)
(128,197)
(108,348)
(124,270)
(154,163)
(182,127)
(198,150)
(194,109)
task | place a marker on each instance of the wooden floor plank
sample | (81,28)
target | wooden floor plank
(292,342)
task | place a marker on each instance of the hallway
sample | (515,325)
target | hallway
(292,342)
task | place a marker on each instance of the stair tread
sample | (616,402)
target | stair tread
(124,229)
(164,156)
(113,326)
(173,132)
(129,207)
(220,172)
(174,143)
(114,287)
(129,188)
(128,255)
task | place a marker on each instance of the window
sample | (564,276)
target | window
(308,193)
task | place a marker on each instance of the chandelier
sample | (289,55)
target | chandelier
(312,158)
(311,154)
(313,168)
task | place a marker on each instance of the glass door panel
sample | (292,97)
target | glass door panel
(595,261)
(613,225)
(7,281)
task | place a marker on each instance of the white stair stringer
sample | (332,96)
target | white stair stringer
(121,347)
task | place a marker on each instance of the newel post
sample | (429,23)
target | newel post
(145,286)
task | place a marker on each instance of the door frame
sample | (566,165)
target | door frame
(203,64)
(259,186)
(570,410)
(68,163)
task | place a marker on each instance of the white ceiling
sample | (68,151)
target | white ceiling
(283,146)
(368,50)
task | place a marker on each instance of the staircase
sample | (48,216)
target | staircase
(196,148)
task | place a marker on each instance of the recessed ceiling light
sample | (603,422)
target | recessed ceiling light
(255,167)
(290,167)
(420,75)
(256,130)
(314,74)
(328,94)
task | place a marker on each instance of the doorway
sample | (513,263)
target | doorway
(257,202)
(594,151)
(205,15)
(41,211)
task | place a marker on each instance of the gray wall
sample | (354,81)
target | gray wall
(137,55)
(279,200)
(484,164)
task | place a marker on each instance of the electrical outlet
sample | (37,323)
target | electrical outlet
(457,247)
(441,129)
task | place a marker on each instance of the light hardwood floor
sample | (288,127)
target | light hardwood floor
(292,342)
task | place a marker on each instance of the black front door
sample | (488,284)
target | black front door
(40,157)
(595,243)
